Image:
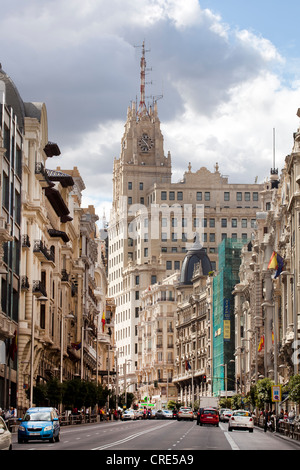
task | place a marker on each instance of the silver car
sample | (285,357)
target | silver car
(185,412)
(5,436)
(129,414)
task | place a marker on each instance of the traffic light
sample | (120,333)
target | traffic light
(204,378)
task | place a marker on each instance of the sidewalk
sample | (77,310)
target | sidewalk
(279,435)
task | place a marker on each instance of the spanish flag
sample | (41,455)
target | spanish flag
(103,321)
(261,343)
(276,262)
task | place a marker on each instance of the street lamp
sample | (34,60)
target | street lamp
(256,352)
(226,376)
(42,298)
(125,379)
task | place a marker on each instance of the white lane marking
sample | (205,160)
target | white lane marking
(133,436)
(232,444)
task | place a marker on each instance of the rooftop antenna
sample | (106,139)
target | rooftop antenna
(142,106)
(274,148)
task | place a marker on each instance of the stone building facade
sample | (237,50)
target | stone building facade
(267,300)
(53,261)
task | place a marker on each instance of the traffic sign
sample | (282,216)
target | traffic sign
(276,393)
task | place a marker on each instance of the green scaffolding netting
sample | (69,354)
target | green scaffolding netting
(229,257)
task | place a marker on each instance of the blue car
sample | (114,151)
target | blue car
(39,423)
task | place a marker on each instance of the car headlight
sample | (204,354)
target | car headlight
(48,428)
(21,428)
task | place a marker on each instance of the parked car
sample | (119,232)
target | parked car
(5,436)
(164,414)
(209,416)
(225,414)
(129,414)
(40,423)
(185,412)
(241,419)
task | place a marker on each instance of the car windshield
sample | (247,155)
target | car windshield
(38,416)
(209,412)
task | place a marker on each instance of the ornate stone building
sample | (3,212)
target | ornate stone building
(156,342)
(267,300)
(53,265)
(193,361)
(12,112)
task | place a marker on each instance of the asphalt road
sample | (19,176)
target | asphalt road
(157,435)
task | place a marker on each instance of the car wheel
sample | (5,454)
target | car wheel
(57,439)
(229,429)
(250,430)
(52,440)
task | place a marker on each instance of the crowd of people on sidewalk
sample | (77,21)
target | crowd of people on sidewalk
(271,420)
(8,414)
(109,414)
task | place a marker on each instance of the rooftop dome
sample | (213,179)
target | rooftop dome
(194,256)
(12,97)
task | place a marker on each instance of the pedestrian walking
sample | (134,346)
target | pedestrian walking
(291,415)
(266,420)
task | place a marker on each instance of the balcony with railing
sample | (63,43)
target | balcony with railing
(42,252)
(64,275)
(42,176)
(39,289)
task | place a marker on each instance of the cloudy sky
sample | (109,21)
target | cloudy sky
(228,72)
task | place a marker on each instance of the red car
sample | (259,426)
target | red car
(209,416)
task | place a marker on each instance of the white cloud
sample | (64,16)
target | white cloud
(262,45)
(224,89)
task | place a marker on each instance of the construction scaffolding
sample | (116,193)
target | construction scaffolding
(229,253)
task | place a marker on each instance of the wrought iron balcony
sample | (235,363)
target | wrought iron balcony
(64,275)
(40,248)
(38,288)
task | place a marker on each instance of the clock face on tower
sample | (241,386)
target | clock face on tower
(145,143)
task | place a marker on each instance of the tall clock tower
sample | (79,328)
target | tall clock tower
(142,162)
(132,267)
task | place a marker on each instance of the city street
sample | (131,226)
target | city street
(154,435)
